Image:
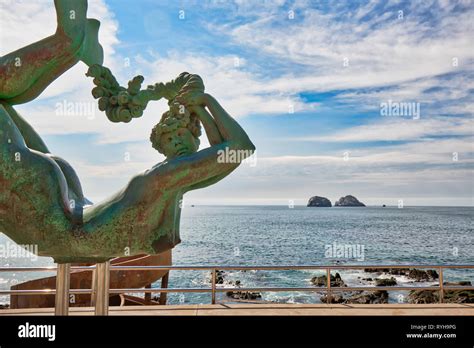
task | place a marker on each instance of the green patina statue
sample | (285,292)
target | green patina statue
(41,199)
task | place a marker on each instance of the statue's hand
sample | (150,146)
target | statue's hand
(192,98)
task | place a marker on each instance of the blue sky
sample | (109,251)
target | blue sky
(306,79)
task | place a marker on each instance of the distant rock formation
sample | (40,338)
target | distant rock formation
(317,201)
(348,201)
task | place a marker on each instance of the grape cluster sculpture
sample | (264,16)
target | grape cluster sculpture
(122,104)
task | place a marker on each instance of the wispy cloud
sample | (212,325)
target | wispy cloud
(393,128)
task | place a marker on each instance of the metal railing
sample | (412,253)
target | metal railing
(441,287)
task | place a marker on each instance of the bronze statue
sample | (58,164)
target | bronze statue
(41,199)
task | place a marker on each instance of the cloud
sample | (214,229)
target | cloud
(240,91)
(381,49)
(394,128)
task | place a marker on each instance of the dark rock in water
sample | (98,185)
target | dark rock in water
(348,201)
(219,277)
(336,280)
(317,201)
(359,297)
(423,296)
(383,205)
(369,297)
(332,299)
(417,274)
(450,296)
(244,295)
(420,275)
(461,283)
(459,296)
(385,281)
(376,270)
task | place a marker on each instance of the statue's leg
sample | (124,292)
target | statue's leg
(34,142)
(25,73)
(30,136)
(34,190)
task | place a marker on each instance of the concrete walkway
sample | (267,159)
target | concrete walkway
(267,309)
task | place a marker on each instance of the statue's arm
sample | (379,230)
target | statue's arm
(26,72)
(212,132)
(215,138)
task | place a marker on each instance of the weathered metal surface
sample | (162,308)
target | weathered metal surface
(41,199)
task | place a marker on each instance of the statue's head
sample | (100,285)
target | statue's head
(177,134)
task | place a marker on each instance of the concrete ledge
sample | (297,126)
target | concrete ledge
(267,309)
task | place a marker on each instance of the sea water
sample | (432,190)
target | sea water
(280,235)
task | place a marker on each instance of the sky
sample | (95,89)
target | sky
(310,82)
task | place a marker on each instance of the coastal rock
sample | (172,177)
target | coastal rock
(417,274)
(332,299)
(348,201)
(336,280)
(317,201)
(385,281)
(244,295)
(423,296)
(359,297)
(420,275)
(219,277)
(450,296)
(368,298)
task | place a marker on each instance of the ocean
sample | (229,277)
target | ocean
(279,235)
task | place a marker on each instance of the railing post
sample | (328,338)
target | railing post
(441,286)
(213,280)
(164,285)
(102,291)
(148,295)
(63,277)
(94,286)
(328,284)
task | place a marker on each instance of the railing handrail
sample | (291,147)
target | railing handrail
(230,267)
(268,289)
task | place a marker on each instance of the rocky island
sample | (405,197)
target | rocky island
(348,201)
(317,201)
